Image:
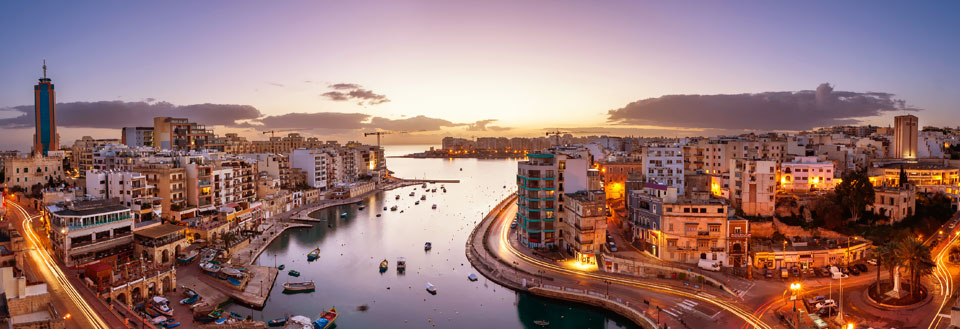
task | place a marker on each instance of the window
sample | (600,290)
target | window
(720,210)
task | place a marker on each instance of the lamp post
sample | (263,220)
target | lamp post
(795,287)
(847,259)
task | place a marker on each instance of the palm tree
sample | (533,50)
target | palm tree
(886,256)
(916,256)
(228,239)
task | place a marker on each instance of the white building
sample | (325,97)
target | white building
(87,231)
(663,164)
(317,164)
(805,174)
(752,185)
(129,188)
(26,172)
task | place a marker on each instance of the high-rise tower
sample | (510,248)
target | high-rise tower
(905,136)
(45,138)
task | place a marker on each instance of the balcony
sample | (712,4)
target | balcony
(116,240)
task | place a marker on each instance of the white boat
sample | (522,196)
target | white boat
(412,194)
(473,277)
(401,264)
(159,320)
(231,272)
(187,257)
(431,288)
(434,206)
(299,286)
(210,267)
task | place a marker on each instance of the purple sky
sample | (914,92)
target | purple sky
(528,65)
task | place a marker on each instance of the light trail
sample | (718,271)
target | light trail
(746,316)
(945,279)
(61,277)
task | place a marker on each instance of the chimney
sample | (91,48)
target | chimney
(21,286)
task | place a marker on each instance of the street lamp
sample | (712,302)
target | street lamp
(795,287)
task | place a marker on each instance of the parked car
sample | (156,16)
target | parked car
(612,246)
(769,273)
(784,273)
(827,312)
(872,262)
(795,271)
(514,224)
(862,267)
(853,270)
(823,272)
(826,303)
(814,300)
(844,270)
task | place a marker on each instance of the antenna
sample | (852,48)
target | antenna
(44,68)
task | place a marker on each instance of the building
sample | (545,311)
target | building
(160,243)
(541,182)
(181,134)
(170,186)
(29,171)
(808,253)
(27,304)
(585,225)
(83,232)
(894,202)
(905,130)
(663,164)
(129,188)
(926,177)
(45,139)
(137,136)
(645,208)
(316,164)
(82,153)
(615,175)
(752,186)
(738,242)
(806,174)
(694,230)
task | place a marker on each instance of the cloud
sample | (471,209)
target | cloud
(769,110)
(415,123)
(276,84)
(351,91)
(117,114)
(484,125)
(321,120)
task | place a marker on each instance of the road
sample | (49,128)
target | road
(943,274)
(697,309)
(63,294)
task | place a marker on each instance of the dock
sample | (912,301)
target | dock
(256,291)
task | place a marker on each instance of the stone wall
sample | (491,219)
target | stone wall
(766,230)
(621,309)
(28,304)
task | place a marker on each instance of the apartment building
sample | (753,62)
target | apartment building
(806,174)
(87,231)
(317,164)
(584,226)
(137,136)
(894,202)
(645,211)
(82,151)
(663,164)
(905,130)
(752,186)
(129,188)
(276,166)
(170,183)
(542,181)
(694,230)
(32,170)
(181,134)
(615,175)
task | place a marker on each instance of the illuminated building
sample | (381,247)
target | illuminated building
(752,186)
(805,174)
(905,129)
(130,188)
(542,181)
(645,208)
(585,225)
(694,230)
(45,139)
(83,232)
(663,164)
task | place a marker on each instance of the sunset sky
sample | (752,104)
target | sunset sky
(335,69)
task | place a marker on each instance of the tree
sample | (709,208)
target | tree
(886,256)
(855,192)
(228,238)
(916,256)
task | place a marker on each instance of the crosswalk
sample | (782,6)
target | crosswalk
(688,307)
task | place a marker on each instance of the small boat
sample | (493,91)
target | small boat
(361,208)
(187,292)
(171,323)
(384,208)
(397,198)
(221,321)
(163,309)
(401,264)
(159,320)
(378,215)
(383,265)
(423,197)
(293,273)
(394,208)
(424,185)
(236,315)
(431,288)
(434,206)
(472,277)
(326,319)
(313,255)
(343,215)
(412,194)
(277,322)
(281,267)
(542,323)
(187,257)
(190,300)
(210,267)
(299,286)
(417,203)
(461,169)
(234,281)
(427,246)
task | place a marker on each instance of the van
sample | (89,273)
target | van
(836,274)
(709,265)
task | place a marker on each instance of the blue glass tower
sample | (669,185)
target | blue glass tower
(45,138)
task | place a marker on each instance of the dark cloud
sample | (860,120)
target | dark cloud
(321,120)
(351,91)
(116,114)
(769,110)
(415,123)
(484,125)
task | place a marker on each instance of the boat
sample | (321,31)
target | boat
(412,194)
(384,208)
(187,292)
(159,320)
(423,197)
(187,257)
(378,215)
(171,323)
(163,309)
(293,273)
(289,287)
(281,267)
(234,281)
(210,267)
(343,215)
(236,315)
(431,288)
(417,203)
(326,319)
(427,246)
(313,255)
(232,272)
(401,264)
(221,321)
(472,277)
(434,206)
(424,185)
(394,208)
(277,322)
(361,208)
(190,300)
(383,265)
(397,198)
(542,323)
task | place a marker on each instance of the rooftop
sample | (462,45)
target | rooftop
(158,231)
(86,208)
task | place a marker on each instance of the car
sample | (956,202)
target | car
(862,268)
(872,262)
(827,311)
(769,273)
(826,303)
(853,270)
(795,271)
(784,273)
(823,272)
(612,246)
(514,224)
(815,300)
(844,270)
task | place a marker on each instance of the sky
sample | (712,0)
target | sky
(478,68)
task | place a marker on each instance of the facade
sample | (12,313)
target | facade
(585,225)
(806,174)
(645,211)
(82,153)
(752,186)
(160,243)
(615,175)
(895,203)
(316,164)
(29,171)
(86,231)
(808,253)
(541,182)
(170,184)
(129,188)
(137,136)
(738,242)
(181,134)
(663,164)
(905,130)
(695,230)
(45,139)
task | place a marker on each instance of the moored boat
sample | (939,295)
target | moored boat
(277,322)
(326,319)
(401,264)
(472,277)
(427,246)
(397,198)
(299,286)
(413,194)
(343,215)
(383,265)
(313,255)
(417,203)
(210,267)
(431,288)
(187,257)
(394,208)
(423,197)
(281,267)
(542,323)
(434,206)
(190,300)
(293,273)
(171,323)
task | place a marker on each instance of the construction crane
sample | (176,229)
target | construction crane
(556,132)
(388,132)
(273,133)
